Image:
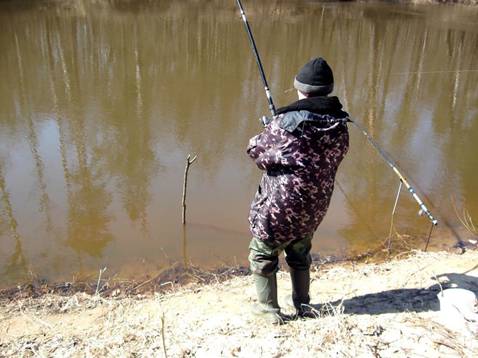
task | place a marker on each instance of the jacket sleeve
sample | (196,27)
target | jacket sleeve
(274,148)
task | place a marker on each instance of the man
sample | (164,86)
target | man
(299,150)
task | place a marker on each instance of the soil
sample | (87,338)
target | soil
(369,310)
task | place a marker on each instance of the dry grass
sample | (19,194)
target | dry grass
(370,310)
(466,219)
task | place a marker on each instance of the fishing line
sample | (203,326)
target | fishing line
(354,208)
(431,72)
(432,226)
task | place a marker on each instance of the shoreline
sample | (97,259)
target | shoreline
(177,275)
(374,309)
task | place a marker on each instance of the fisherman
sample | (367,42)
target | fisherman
(299,151)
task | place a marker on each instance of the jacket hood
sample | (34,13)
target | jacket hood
(322,111)
(291,120)
(317,105)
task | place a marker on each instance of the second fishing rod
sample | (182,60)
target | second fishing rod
(385,156)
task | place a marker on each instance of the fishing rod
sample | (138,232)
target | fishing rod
(252,42)
(403,180)
(385,156)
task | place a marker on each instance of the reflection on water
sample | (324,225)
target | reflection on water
(100,106)
(16,263)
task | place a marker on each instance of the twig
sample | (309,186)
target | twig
(153,278)
(162,336)
(189,161)
(454,348)
(97,291)
(145,282)
(389,244)
(439,284)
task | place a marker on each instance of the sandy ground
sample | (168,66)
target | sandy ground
(363,310)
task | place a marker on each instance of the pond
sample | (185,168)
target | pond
(100,104)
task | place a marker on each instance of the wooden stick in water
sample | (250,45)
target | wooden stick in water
(189,161)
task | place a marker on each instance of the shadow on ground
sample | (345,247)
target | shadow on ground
(401,300)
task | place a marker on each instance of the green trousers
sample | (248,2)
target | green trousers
(264,259)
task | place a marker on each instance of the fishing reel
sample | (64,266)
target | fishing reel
(265,120)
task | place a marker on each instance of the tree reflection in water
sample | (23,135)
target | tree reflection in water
(126,91)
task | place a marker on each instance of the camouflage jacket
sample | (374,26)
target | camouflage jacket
(300,159)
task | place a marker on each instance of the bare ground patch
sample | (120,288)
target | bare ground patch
(387,309)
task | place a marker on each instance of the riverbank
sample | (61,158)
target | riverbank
(385,309)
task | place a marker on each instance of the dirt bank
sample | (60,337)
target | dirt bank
(387,309)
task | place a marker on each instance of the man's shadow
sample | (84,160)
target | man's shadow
(400,300)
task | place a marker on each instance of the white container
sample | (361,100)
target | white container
(458,309)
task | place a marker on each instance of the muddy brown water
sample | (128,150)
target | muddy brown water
(100,105)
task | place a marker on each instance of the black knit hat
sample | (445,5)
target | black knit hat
(315,77)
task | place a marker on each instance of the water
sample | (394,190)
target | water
(101,104)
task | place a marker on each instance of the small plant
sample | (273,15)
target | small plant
(466,219)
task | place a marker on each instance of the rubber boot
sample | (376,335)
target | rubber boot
(268,306)
(300,293)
